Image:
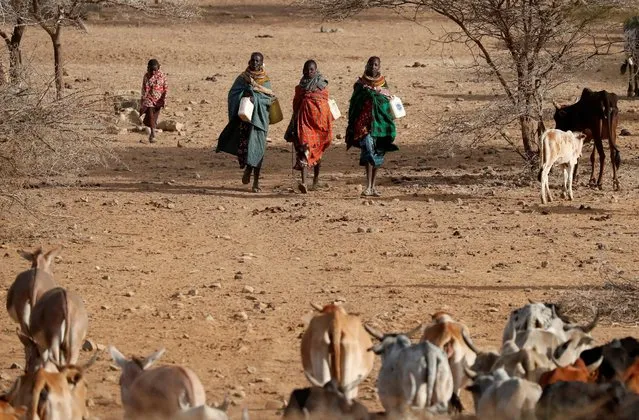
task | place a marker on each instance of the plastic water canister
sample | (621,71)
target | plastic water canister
(246,109)
(397,107)
(334,109)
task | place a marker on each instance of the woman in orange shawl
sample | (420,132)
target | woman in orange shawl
(311,126)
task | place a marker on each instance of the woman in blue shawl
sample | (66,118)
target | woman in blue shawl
(247,140)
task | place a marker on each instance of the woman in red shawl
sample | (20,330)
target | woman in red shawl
(154,88)
(311,127)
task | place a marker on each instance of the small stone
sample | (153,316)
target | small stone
(273,405)
(185,336)
(100,347)
(544,264)
(459,202)
(170,206)
(338,136)
(106,277)
(88,345)
(238,276)
(217,285)
(248,289)
(252,370)
(105,307)
(197,176)
(361,230)
(239,393)
(221,208)
(493,310)
(528,290)
(209,318)
(241,316)
(625,132)
(193,292)
(15,365)
(114,367)
(372,230)
(129,294)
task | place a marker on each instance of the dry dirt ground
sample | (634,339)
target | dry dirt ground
(163,245)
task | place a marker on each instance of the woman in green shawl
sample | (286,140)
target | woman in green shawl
(371,126)
(247,140)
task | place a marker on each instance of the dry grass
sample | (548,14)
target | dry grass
(616,301)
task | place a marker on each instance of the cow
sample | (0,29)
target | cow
(563,148)
(577,372)
(452,337)
(325,401)
(412,376)
(580,401)
(596,112)
(334,347)
(631,48)
(549,343)
(618,355)
(30,285)
(524,363)
(497,396)
(631,377)
(546,316)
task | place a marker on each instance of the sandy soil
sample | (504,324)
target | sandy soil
(457,231)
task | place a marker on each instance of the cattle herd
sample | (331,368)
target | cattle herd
(547,367)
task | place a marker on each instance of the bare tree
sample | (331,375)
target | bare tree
(54,15)
(524,44)
(15,13)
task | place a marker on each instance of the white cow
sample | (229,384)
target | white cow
(499,397)
(563,148)
(412,376)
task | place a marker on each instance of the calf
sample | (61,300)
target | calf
(500,397)
(163,392)
(580,401)
(412,376)
(334,347)
(563,148)
(59,325)
(577,372)
(452,337)
(324,402)
(30,285)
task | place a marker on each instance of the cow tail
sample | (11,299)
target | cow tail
(335,334)
(610,112)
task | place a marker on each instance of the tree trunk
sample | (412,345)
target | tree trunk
(58,62)
(15,53)
(528,134)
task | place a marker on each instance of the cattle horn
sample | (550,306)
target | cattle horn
(556,105)
(316,307)
(415,330)
(532,302)
(469,372)
(468,341)
(312,380)
(91,361)
(594,366)
(592,325)
(372,331)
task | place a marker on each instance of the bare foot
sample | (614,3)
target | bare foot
(256,189)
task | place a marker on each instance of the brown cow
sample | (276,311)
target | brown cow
(577,372)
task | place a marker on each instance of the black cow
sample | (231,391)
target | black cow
(618,355)
(581,401)
(596,113)
(326,403)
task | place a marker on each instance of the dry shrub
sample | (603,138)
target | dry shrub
(43,139)
(616,300)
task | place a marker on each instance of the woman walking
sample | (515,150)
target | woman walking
(154,89)
(247,140)
(311,126)
(371,127)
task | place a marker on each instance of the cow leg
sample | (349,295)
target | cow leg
(602,160)
(570,172)
(636,75)
(592,180)
(575,172)
(545,190)
(566,169)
